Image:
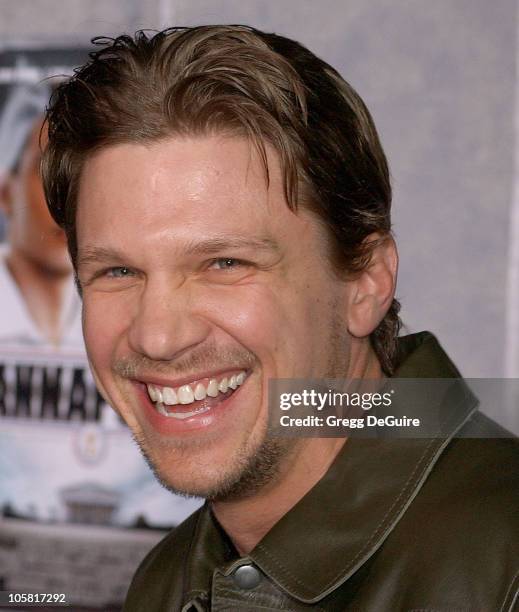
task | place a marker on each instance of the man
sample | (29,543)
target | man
(39,304)
(227,206)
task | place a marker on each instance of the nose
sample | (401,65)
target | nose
(165,324)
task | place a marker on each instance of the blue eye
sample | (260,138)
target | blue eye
(226,263)
(119,272)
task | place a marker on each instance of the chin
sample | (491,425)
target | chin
(191,477)
(217,474)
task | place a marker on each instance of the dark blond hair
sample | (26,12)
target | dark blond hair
(236,80)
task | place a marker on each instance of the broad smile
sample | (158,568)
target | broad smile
(174,408)
(193,395)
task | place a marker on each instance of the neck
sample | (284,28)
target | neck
(246,521)
(44,291)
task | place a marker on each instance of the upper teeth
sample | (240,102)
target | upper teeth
(187,394)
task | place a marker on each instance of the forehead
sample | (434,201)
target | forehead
(182,187)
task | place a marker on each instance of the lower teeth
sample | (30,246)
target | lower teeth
(179,415)
(161,409)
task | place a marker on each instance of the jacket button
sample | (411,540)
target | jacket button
(246,577)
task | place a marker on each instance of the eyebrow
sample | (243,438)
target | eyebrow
(215,245)
(97,255)
(90,255)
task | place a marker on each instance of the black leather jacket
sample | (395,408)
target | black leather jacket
(395,524)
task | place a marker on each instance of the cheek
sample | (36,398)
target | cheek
(104,323)
(272,322)
(252,314)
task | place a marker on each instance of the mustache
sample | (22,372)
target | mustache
(200,359)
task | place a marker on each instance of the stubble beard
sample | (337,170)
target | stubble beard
(251,468)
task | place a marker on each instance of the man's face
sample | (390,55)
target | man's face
(32,230)
(195,271)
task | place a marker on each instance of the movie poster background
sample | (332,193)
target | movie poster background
(79,508)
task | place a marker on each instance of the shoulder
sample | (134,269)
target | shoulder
(462,529)
(160,575)
(476,480)
(482,462)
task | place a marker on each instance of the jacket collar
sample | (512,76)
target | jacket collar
(332,531)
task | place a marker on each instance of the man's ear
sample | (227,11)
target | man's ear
(373,289)
(6,195)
